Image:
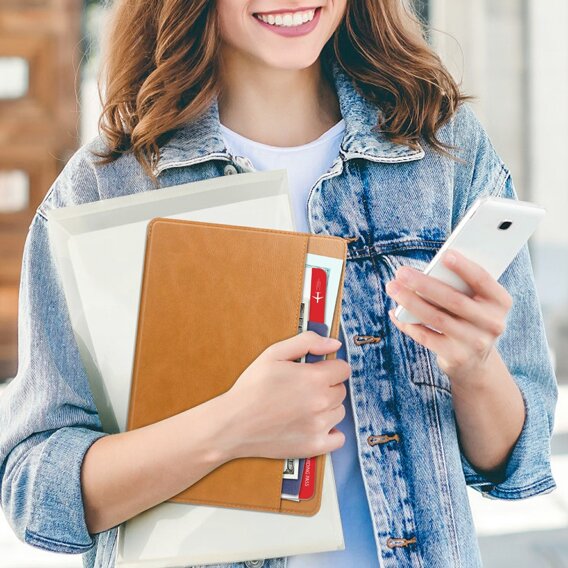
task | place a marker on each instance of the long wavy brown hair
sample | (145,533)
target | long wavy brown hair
(161,71)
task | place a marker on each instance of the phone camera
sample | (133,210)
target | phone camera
(505,225)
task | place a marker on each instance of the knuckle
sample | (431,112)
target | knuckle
(342,411)
(319,403)
(480,344)
(507,300)
(320,422)
(439,320)
(497,327)
(320,373)
(455,303)
(331,400)
(322,445)
(421,335)
(484,278)
(346,366)
(480,282)
(340,440)
(459,360)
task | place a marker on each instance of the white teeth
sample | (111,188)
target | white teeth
(288,19)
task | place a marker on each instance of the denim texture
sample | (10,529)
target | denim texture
(397,205)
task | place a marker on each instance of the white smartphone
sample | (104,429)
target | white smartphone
(491,233)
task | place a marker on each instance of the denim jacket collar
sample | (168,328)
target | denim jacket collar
(201,140)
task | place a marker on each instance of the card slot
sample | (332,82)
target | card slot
(335,247)
(311,506)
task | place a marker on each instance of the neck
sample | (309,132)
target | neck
(279,107)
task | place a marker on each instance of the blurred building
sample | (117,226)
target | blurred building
(39,58)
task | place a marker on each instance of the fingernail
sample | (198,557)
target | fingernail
(450,258)
(392,287)
(333,341)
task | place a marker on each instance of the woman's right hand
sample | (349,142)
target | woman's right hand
(283,408)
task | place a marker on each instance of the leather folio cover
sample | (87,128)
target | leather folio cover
(213,297)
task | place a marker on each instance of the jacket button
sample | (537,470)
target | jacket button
(254,563)
(382,439)
(363,339)
(230,170)
(397,542)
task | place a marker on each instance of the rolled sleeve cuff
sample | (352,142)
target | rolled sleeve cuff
(528,470)
(57,522)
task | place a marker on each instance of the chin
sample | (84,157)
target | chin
(292,61)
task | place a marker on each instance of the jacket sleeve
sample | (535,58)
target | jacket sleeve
(523,346)
(48,419)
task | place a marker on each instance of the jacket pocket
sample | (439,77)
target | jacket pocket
(419,361)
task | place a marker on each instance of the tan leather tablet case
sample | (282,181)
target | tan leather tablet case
(213,297)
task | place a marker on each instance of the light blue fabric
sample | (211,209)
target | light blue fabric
(396,205)
(304,164)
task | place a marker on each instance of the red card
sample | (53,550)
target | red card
(317,297)
(308,486)
(317,314)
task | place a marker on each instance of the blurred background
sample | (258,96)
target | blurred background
(510,54)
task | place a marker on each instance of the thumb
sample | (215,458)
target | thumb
(299,345)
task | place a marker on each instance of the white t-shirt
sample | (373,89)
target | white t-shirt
(304,165)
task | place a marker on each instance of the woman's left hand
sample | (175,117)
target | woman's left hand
(469,327)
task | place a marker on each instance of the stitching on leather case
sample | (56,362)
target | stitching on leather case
(241,227)
(134,385)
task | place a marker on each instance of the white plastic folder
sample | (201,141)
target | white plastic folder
(99,251)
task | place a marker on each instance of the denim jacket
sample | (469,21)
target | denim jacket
(396,206)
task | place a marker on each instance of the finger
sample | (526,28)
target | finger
(479,314)
(426,337)
(479,280)
(444,322)
(338,394)
(335,440)
(336,415)
(337,370)
(299,345)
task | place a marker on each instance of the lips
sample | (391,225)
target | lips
(289,24)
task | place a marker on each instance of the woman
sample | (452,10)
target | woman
(380,149)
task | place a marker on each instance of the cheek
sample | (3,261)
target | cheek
(231,16)
(340,7)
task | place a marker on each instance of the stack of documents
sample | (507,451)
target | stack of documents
(112,319)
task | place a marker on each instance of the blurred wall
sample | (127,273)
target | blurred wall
(513,56)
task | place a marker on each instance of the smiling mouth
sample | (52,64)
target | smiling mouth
(287,19)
